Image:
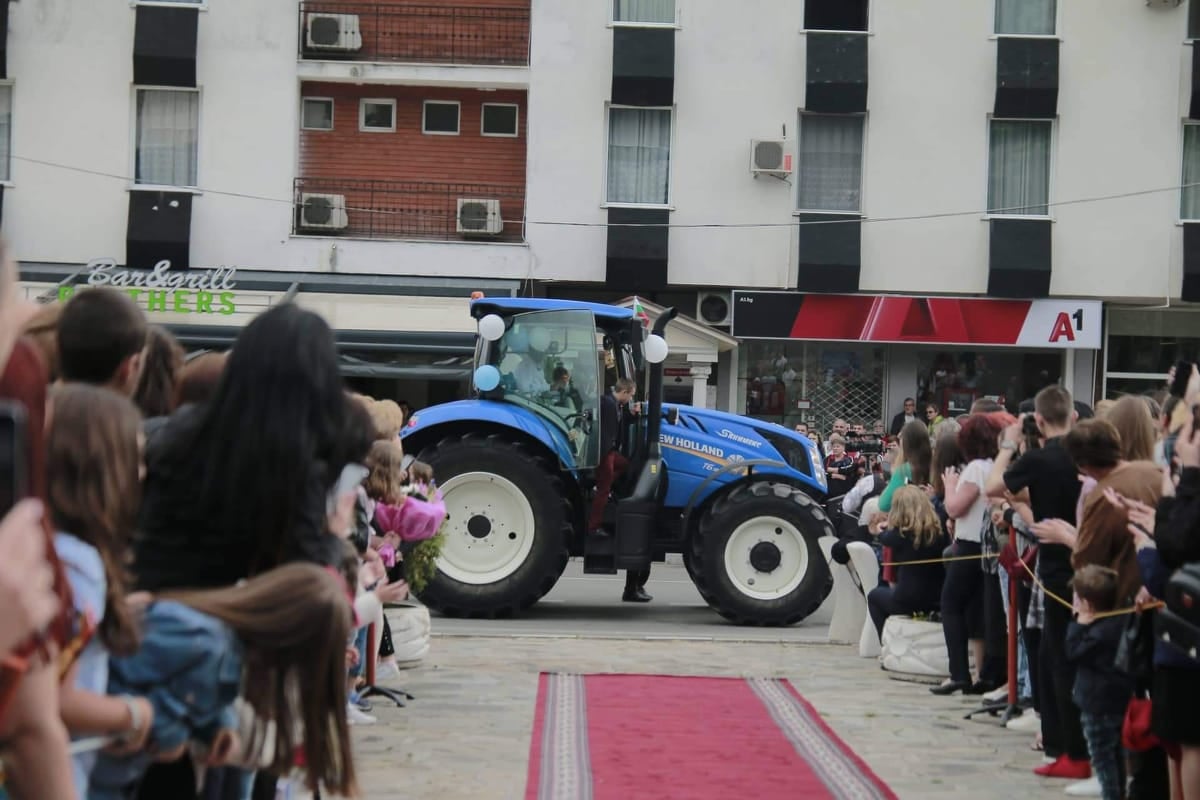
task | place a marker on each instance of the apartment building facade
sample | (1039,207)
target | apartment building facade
(858,201)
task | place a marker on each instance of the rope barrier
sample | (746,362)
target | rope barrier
(1117,612)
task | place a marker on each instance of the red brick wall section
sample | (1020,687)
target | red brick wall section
(410,181)
(434,31)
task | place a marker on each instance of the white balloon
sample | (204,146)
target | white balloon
(487,377)
(491,327)
(539,339)
(655,349)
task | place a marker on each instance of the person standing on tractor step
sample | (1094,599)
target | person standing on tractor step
(613,432)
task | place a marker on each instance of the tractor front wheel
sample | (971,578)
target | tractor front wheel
(755,558)
(507,527)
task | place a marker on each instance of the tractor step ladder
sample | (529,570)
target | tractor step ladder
(600,554)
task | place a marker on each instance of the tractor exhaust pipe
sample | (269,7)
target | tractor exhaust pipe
(655,397)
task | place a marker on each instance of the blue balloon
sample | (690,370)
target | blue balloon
(487,378)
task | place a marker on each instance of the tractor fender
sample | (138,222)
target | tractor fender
(427,427)
(700,496)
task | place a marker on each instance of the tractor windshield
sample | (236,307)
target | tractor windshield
(550,362)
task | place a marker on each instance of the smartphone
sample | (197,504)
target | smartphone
(14,466)
(352,475)
(1183,374)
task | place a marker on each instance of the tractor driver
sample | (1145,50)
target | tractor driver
(614,411)
(565,394)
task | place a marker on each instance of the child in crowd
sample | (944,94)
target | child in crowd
(94,460)
(1101,691)
(281,638)
(915,534)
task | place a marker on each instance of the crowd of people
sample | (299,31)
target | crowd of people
(192,554)
(1091,514)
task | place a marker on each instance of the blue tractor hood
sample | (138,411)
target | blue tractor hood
(705,444)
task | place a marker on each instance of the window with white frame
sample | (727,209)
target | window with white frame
(316,113)
(1189,205)
(644,12)
(499,119)
(1026,17)
(376,114)
(168,123)
(639,155)
(831,155)
(5,131)
(440,117)
(1019,167)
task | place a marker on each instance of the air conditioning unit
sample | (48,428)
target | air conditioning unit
(715,309)
(333,32)
(770,157)
(479,217)
(323,212)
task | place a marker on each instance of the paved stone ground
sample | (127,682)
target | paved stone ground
(467,733)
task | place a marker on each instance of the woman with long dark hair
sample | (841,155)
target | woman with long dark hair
(238,485)
(912,462)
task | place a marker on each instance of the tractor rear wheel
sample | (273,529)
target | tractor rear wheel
(507,527)
(755,557)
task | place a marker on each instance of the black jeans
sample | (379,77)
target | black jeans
(882,603)
(1062,731)
(994,669)
(962,608)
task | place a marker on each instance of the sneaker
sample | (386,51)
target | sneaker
(386,671)
(1066,767)
(996,695)
(1088,788)
(356,717)
(1029,722)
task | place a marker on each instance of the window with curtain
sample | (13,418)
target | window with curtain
(1189,207)
(1026,17)
(1019,167)
(167,125)
(5,131)
(639,155)
(653,12)
(831,151)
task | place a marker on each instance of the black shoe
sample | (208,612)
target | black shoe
(637,595)
(950,688)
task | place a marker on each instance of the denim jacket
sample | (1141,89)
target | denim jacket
(189,666)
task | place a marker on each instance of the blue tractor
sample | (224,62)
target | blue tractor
(740,499)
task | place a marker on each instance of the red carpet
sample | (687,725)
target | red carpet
(625,737)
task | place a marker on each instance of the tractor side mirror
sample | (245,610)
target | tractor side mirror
(671,415)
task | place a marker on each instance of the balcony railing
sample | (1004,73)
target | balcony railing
(480,212)
(429,34)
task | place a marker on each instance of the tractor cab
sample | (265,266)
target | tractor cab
(557,363)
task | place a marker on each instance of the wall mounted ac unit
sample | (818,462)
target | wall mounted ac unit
(770,157)
(479,217)
(715,308)
(323,212)
(333,32)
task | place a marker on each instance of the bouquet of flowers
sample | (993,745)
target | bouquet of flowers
(417,522)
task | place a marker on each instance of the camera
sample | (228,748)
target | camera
(864,445)
(1029,426)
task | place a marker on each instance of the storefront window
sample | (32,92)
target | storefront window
(954,379)
(812,382)
(1143,345)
